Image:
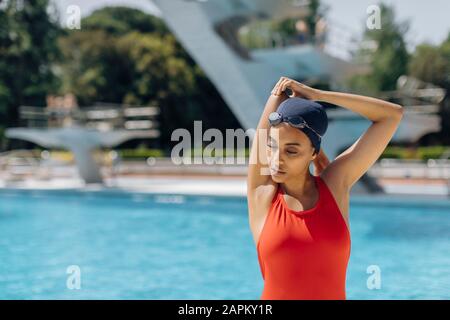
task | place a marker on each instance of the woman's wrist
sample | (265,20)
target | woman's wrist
(318,95)
(283,96)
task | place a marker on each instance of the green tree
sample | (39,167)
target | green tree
(432,63)
(92,67)
(389,59)
(27,50)
(109,61)
(159,76)
(121,20)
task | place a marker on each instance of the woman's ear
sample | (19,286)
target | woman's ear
(315,152)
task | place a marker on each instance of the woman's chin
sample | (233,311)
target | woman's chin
(278,177)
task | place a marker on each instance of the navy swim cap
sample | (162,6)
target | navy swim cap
(312,112)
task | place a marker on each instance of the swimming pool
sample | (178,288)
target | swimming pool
(140,246)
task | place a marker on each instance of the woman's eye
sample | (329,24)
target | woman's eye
(291,152)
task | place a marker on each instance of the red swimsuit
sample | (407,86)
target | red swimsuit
(304,254)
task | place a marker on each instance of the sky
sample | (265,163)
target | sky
(429,19)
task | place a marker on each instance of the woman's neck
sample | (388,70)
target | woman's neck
(300,186)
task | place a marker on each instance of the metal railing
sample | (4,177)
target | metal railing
(101,116)
(417,169)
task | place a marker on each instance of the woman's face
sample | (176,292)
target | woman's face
(289,152)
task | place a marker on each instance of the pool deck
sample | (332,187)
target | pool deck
(211,184)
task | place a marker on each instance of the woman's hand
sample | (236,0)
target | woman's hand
(298,89)
(320,162)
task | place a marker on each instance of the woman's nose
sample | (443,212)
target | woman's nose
(275,160)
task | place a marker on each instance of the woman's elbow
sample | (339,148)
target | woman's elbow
(397,111)
(400,111)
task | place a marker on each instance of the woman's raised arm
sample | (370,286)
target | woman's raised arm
(351,164)
(255,176)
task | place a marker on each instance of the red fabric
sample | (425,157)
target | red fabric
(304,254)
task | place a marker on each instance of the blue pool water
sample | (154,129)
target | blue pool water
(137,246)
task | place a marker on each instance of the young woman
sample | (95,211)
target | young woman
(299,221)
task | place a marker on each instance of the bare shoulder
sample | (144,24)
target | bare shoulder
(259,200)
(338,189)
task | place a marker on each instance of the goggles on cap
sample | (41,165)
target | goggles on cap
(295,121)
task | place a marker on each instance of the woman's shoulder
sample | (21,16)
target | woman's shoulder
(337,188)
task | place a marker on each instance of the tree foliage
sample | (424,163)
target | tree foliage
(122,55)
(28,50)
(431,63)
(388,59)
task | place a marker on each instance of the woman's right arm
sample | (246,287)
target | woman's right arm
(255,176)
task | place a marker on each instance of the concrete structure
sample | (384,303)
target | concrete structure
(80,141)
(208,31)
(83,130)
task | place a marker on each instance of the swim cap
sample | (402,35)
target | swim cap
(312,112)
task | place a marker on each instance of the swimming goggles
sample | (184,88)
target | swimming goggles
(296,121)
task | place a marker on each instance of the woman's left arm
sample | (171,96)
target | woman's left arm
(351,164)
(320,162)
(370,108)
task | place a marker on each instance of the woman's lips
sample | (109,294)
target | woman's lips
(276,172)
